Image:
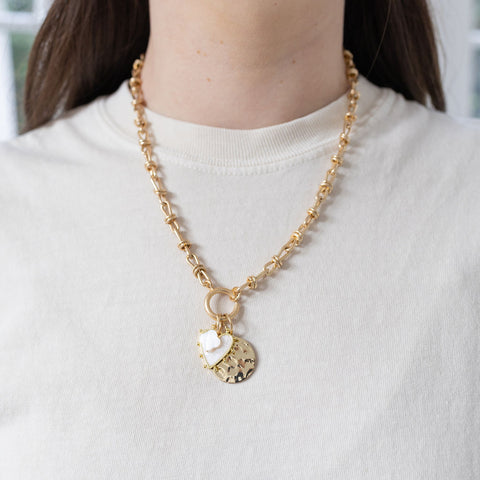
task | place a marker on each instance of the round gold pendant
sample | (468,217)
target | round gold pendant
(238,364)
(232,359)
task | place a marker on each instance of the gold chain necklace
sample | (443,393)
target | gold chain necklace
(232,358)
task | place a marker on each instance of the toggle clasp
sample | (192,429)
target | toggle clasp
(229,293)
(220,317)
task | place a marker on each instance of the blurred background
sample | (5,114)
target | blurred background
(458,25)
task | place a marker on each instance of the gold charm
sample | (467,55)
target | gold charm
(238,364)
(231,358)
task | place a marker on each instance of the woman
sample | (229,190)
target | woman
(360,351)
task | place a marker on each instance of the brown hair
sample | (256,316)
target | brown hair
(86,48)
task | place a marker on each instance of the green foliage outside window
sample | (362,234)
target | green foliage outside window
(21,44)
(20,5)
(476,86)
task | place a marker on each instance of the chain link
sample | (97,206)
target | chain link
(324,189)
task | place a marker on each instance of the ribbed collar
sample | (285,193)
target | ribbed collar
(240,147)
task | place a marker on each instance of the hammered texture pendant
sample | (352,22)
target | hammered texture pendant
(231,358)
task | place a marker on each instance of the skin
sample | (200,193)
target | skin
(243,64)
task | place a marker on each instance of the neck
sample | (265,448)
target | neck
(243,65)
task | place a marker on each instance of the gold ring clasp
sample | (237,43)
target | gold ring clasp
(230,294)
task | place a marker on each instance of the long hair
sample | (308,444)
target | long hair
(86,48)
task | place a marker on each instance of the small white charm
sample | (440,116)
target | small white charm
(211,341)
(214,348)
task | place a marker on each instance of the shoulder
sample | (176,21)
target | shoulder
(411,127)
(43,171)
(68,138)
(51,139)
(423,165)
(78,141)
(31,164)
(413,143)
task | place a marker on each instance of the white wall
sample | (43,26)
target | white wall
(453,20)
(8,117)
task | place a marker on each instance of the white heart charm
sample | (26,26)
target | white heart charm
(211,340)
(211,353)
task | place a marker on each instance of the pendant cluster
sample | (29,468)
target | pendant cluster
(231,358)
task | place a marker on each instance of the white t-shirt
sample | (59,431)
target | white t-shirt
(367,339)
